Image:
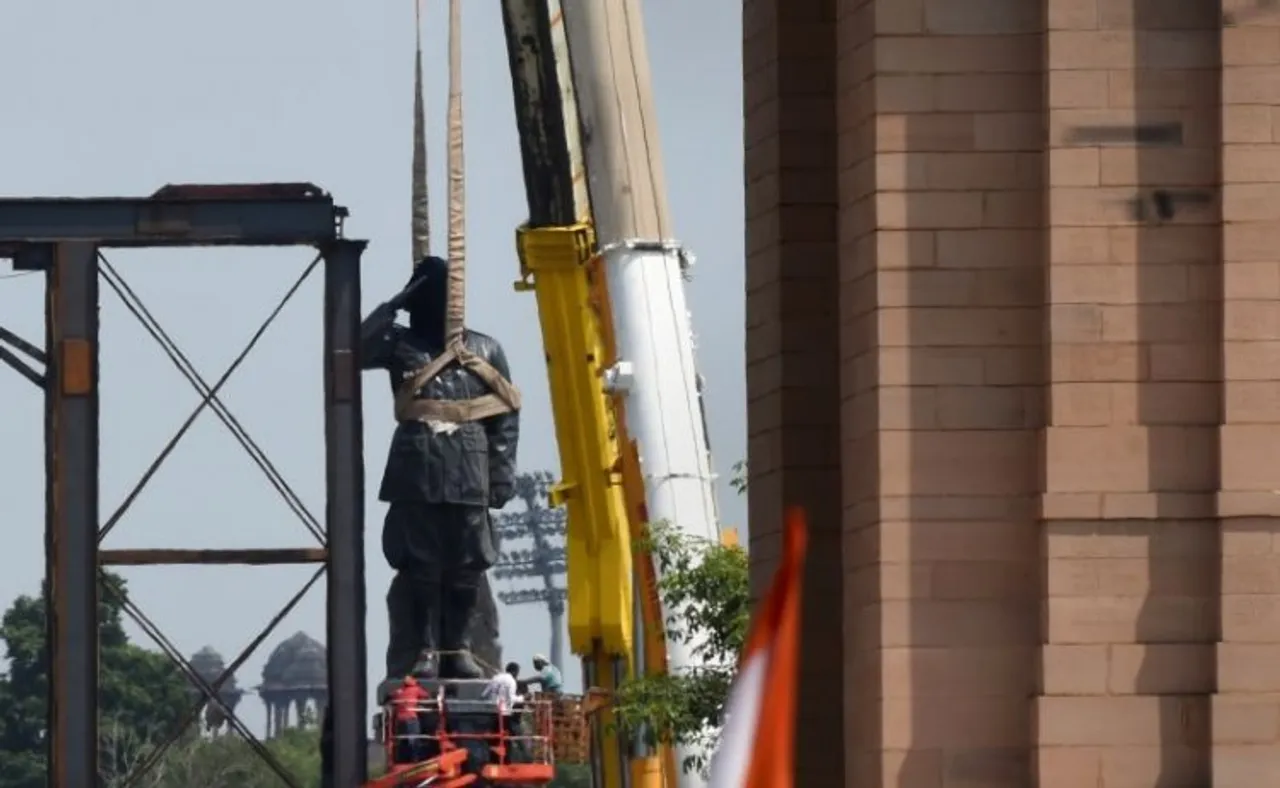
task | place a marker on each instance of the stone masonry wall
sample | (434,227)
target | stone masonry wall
(1129,533)
(955,292)
(1024,372)
(1246,712)
(793,413)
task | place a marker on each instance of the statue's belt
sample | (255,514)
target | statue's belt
(504,399)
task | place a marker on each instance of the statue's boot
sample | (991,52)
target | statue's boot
(427,667)
(461,598)
(405,623)
(428,663)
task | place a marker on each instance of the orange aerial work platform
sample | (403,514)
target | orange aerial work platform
(454,738)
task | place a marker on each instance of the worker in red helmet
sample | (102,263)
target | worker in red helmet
(406,703)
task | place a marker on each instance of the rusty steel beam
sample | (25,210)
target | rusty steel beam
(61,237)
(174,216)
(71,524)
(344,512)
(169,557)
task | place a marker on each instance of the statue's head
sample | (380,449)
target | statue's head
(428,304)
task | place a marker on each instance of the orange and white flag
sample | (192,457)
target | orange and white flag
(757,743)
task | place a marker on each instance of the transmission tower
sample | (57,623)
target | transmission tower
(540,532)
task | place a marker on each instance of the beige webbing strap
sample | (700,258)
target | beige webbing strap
(420,210)
(504,399)
(407,394)
(502,388)
(457,190)
(460,412)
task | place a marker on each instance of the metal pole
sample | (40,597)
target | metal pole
(344,512)
(557,631)
(71,458)
(596,758)
(543,553)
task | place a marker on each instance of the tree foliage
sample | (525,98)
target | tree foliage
(142,695)
(705,585)
(227,761)
(142,698)
(223,761)
(738,481)
(571,776)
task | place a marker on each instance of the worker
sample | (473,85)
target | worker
(504,690)
(441,479)
(546,675)
(406,703)
(502,687)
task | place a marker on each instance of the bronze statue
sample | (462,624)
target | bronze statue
(452,458)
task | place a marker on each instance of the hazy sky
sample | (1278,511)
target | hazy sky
(120,98)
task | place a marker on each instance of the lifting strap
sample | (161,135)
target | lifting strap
(421,207)
(457,185)
(505,397)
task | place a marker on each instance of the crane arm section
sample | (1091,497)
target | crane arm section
(645,271)
(558,265)
(610,289)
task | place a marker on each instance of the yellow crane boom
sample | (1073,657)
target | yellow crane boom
(609,284)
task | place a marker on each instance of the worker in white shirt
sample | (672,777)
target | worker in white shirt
(504,689)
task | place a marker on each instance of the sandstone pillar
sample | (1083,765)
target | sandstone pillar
(1052,417)
(941,297)
(793,413)
(1246,712)
(1130,440)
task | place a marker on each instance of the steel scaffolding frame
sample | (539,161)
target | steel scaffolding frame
(64,238)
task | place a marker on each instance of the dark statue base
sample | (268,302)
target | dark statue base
(485,646)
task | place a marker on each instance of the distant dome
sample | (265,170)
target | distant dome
(298,663)
(209,664)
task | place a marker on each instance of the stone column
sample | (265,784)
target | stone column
(1130,437)
(1246,712)
(941,258)
(860,401)
(793,413)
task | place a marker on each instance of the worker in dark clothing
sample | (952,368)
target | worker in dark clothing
(406,703)
(452,458)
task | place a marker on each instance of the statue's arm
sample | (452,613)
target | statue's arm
(503,432)
(378,337)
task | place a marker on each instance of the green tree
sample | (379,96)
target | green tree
(142,695)
(707,583)
(227,761)
(738,481)
(572,776)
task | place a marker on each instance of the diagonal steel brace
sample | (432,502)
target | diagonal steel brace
(16,363)
(205,402)
(139,310)
(184,665)
(153,759)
